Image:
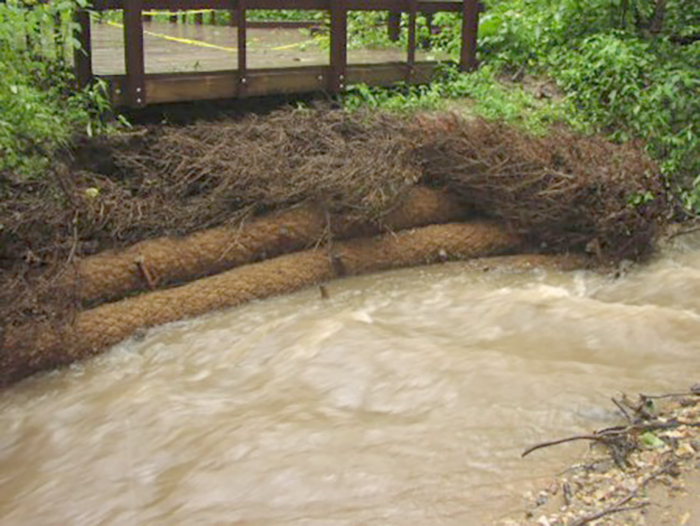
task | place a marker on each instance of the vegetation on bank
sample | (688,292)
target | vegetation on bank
(625,68)
(40,109)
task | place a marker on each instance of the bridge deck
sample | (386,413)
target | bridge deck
(189,48)
(148,62)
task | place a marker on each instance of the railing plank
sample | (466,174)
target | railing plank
(182,87)
(394,25)
(411,60)
(424,6)
(242,49)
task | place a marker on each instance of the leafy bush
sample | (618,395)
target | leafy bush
(629,68)
(637,89)
(39,109)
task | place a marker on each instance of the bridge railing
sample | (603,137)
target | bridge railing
(135,83)
(212,17)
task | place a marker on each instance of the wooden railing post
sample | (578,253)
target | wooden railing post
(339,51)
(394,25)
(134,54)
(470,27)
(411,60)
(242,49)
(425,43)
(82,56)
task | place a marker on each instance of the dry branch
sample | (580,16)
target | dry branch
(562,191)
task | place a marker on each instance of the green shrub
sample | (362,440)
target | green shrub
(489,98)
(40,111)
(632,88)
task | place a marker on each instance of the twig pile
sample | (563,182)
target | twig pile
(172,180)
(563,191)
(350,164)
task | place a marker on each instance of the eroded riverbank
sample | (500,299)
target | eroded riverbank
(210,215)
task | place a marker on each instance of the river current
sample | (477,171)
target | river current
(404,399)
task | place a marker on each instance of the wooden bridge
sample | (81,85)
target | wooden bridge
(148,62)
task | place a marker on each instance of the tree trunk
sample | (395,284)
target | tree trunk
(657,20)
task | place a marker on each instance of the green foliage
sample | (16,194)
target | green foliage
(637,89)
(623,73)
(487,96)
(650,440)
(39,109)
(522,32)
(368,29)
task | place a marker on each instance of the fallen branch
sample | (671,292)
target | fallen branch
(649,426)
(622,409)
(593,493)
(541,445)
(609,434)
(608,511)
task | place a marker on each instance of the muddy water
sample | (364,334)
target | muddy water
(404,399)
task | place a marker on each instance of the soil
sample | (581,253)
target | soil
(649,474)
(676,507)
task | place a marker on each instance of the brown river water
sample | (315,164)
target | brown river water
(404,399)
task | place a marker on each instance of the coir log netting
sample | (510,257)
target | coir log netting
(163,261)
(93,330)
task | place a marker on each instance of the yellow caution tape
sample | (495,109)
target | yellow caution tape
(188,41)
(290,46)
(173,13)
(200,43)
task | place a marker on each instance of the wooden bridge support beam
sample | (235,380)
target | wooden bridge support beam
(339,52)
(394,25)
(82,56)
(411,58)
(242,47)
(134,54)
(470,27)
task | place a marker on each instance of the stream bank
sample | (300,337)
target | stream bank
(644,471)
(165,206)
